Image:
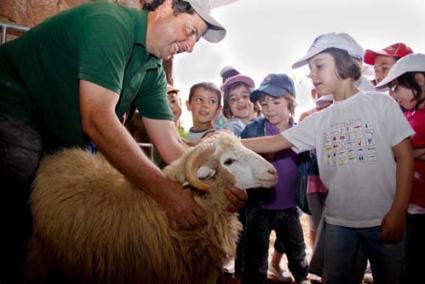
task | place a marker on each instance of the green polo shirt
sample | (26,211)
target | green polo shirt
(100,42)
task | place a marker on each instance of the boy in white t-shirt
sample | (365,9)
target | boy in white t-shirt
(365,160)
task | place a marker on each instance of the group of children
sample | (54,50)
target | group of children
(363,142)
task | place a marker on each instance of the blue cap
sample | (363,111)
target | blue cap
(275,85)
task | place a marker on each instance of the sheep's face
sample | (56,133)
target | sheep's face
(248,168)
(224,154)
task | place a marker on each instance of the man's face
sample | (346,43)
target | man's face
(172,34)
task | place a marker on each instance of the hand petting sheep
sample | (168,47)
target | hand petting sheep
(91,225)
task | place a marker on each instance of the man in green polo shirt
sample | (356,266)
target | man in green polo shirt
(67,82)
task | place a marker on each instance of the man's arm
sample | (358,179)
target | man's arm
(100,123)
(164,136)
(267,144)
(394,222)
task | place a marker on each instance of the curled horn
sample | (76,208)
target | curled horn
(193,163)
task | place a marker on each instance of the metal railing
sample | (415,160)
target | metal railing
(148,149)
(9,26)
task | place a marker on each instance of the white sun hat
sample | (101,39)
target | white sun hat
(410,63)
(336,40)
(215,31)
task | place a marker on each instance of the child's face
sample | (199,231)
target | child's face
(239,102)
(204,105)
(275,110)
(323,73)
(382,66)
(175,105)
(403,95)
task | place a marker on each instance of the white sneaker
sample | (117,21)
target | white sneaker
(280,274)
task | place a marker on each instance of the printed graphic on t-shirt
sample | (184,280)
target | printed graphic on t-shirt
(349,143)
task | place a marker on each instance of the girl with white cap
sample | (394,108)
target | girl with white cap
(406,82)
(365,160)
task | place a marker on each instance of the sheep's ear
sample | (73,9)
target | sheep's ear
(205,172)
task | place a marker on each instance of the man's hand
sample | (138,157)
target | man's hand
(97,107)
(393,226)
(182,210)
(236,197)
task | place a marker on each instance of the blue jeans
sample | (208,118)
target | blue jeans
(287,226)
(347,250)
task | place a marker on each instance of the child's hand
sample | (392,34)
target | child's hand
(393,226)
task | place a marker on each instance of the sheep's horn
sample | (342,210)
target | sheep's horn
(194,161)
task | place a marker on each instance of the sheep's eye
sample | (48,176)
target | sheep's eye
(229,161)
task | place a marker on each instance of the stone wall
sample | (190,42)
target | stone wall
(31,12)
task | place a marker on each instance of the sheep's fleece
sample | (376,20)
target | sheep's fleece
(91,225)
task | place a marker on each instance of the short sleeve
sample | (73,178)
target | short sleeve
(104,49)
(397,128)
(418,124)
(303,135)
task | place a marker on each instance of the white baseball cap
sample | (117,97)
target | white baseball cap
(410,63)
(336,40)
(215,31)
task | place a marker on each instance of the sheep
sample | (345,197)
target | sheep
(91,225)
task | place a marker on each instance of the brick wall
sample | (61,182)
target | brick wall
(31,12)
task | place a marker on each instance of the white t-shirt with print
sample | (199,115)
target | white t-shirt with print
(353,139)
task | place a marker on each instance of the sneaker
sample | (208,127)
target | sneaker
(305,281)
(280,274)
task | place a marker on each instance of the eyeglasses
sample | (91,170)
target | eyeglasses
(393,87)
